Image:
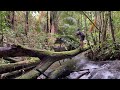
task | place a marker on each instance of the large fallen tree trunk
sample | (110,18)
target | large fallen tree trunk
(47,58)
(48,61)
(16,66)
(17,51)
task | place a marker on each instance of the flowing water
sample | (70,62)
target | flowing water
(90,69)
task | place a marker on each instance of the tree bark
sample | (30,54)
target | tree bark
(53,22)
(48,22)
(13,20)
(26,22)
(111,26)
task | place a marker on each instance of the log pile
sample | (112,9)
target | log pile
(30,69)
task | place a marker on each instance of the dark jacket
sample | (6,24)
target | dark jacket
(81,35)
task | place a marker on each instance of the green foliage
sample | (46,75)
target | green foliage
(70,21)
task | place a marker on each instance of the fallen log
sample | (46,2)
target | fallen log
(17,51)
(11,60)
(68,67)
(16,66)
(33,74)
(14,74)
(48,61)
(47,58)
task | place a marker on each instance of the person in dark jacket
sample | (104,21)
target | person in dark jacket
(81,37)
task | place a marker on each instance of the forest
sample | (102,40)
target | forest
(46,45)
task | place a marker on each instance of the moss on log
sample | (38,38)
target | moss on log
(17,51)
(14,74)
(67,66)
(33,74)
(16,66)
(48,61)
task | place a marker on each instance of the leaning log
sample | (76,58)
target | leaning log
(33,74)
(16,66)
(64,69)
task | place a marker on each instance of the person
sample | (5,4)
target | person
(81,36)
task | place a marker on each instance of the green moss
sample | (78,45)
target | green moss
(30,75)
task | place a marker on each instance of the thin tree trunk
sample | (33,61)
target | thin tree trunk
(13,20)
(47,22)
(86,29)
(93,38)
(2,36)
(26,22)
(111,26)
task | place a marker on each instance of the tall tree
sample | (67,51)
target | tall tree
(53,22)
(1,28)
(26,22)
(86,28)
(13,20)
(111,26)
(48,22)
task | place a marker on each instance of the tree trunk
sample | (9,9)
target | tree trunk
(86,29)
(16,66)
(111,26)
(26,22)
(104,27)
(93,38)
(33,74)
(1,28)
(66,68)
(14,74)
(48,22)
(13,20)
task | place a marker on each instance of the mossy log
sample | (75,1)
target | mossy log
(67,67)
(17,51)
(33,74)
(48,61)
(16,66)
(14,74)
(11,60)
